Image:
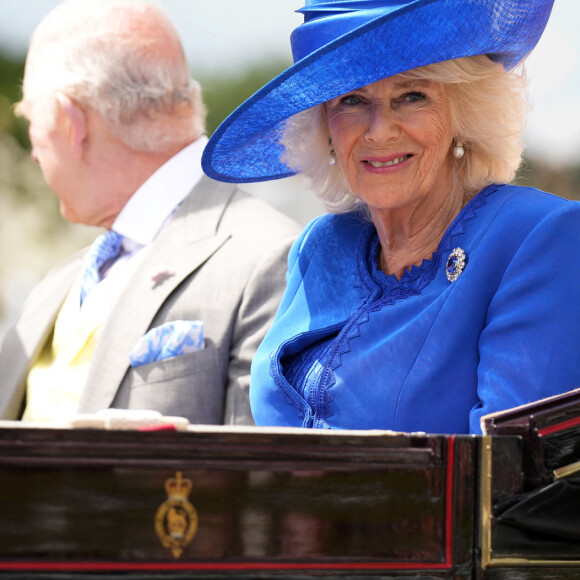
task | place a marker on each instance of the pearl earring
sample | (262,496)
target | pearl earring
(332,154)
(458,150)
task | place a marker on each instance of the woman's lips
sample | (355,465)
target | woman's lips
(391,162)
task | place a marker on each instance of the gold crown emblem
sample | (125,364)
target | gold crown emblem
(178,487)
(176,519)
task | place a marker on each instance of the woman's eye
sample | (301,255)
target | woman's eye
(413,97)
(350,100)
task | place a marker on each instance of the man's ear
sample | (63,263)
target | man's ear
(77,122)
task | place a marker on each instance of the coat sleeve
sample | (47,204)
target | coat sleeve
(259,303)
(530,346)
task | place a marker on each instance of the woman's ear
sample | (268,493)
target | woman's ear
(76,120)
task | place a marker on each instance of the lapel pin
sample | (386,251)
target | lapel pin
(161,276)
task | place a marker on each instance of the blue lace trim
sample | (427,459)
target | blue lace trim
(414,280)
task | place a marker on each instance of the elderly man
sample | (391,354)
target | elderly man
(166,309)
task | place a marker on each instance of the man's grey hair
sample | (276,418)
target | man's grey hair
(101,54)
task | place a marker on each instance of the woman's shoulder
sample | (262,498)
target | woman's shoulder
(332,230)
(517,207)
(330,243)
(529,201)
(509,214)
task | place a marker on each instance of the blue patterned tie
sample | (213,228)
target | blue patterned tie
(106,247)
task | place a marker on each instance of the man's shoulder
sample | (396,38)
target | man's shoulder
(237,211)
(247,214)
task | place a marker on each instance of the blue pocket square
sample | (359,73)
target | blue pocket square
(168,340)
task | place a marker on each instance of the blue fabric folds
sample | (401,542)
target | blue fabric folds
(324,21)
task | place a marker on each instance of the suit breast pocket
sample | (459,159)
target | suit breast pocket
(190,385)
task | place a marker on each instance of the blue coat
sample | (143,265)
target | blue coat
(351,348)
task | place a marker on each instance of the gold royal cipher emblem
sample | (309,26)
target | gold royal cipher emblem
(176,519)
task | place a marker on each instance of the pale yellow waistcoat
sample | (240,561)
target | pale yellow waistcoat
(57,378)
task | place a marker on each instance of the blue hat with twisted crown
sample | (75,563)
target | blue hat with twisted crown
(347,44)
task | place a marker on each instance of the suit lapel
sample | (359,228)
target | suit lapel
(185,243)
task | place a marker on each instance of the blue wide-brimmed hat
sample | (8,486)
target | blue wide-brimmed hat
(347,44)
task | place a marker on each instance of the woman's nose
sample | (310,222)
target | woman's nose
(383,124)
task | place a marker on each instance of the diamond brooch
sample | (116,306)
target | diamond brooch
(455,264)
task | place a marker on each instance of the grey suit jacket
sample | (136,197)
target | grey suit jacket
(228,252)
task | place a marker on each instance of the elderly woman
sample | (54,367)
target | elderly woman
(437,293)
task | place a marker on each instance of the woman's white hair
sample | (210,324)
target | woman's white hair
(92,51)
(488,108)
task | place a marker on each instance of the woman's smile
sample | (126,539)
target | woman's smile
(394,162)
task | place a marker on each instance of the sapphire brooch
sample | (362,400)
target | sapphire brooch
(455,264)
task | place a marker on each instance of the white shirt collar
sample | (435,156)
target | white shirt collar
(155,201)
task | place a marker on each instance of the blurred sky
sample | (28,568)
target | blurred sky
(231,34)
